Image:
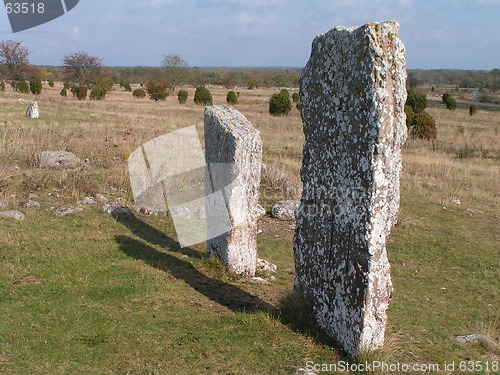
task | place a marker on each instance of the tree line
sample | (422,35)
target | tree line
(86,71)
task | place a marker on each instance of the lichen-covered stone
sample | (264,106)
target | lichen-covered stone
(233,153)
(352,99)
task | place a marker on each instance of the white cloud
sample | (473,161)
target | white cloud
(256,4)
(243,18)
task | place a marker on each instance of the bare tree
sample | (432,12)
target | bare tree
(13,61)
(82,69)
(176,69)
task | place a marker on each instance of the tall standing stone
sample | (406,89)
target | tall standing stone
(233,153)
(352,99)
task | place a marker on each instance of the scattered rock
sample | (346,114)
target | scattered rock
(56,160)
(201,214)
(33,196)
(180,212)
(13,214)
(101,198)
(258,280)
(285,210)
(455,200)
(28,203)
(68,210)
(265,266)
(32,110)
(87,201)
(476,338)
(475,212)
(148,211)
(259,211)
(118,211)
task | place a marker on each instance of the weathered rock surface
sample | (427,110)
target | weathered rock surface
(57,160)
(285,210)
(352,105)
(32,110)
(233,153)
(13,214)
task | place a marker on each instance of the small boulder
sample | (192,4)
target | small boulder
(14,214)
(118,211)
(265,266)
(57,160)
(285,210)
(68,210)
(87,201)
(181,212)
(101,198)
(29,203)
(201,214)
(32,110)
(259,211)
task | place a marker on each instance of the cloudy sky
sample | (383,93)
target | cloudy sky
(455,34)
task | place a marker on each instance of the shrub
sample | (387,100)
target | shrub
(22,86)
(472,109)
(416,100)
(231,98)
(51,82)
(66,85)
(2,86)
(158,89)
(35,84)
(127,87)
(182,96)
(79,92)
(410,115)
(285,93)
(295,97)
(424,126)
(449,101)
(279,104)
(97,93)
(202,96)
(139,93)
(64,92)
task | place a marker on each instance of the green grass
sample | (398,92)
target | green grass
(88,294)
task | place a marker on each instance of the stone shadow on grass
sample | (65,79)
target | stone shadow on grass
(234,298)
(152,235)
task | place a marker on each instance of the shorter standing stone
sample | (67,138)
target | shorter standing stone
(57,160)
(233,153)
(14,214)
(32,110)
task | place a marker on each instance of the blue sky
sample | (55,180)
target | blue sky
(438,34)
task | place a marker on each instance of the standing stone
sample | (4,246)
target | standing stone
(352,105)
(233,153)
(32,110)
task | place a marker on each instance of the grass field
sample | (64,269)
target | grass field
(88,294)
